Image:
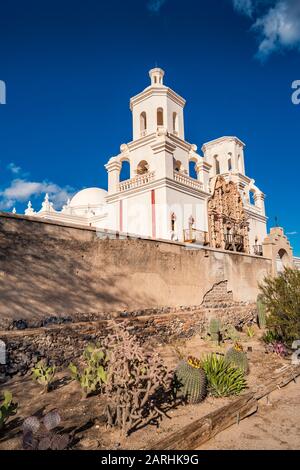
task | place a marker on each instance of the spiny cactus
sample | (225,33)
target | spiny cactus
(42,434)
(138,385)
(214,329)
(237,357)
(191,380)
(44,374)
(261,312)
(94,375)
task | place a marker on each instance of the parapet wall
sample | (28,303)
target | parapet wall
(48,269)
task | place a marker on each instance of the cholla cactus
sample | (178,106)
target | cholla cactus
(191,380)
(237,357)
(138,383)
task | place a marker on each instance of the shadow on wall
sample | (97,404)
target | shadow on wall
(43,275)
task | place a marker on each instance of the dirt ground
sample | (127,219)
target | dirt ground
(276,425)
(86,420)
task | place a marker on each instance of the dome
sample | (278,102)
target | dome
(89,197)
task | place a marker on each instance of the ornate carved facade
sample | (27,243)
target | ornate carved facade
(228,225)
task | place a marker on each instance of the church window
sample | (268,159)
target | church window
(217,165)
(175,123)
(160,117)
(143,122)
(192,170)
(252,197)
(125,171)
(229,165)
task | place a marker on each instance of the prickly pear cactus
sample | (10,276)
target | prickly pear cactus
(261,312)
(214,329)
(237,357)
(191,380)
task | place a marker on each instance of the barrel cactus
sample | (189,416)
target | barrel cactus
(237,357)
(214,329)
(191,380)
(261,312)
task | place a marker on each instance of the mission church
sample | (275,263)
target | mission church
(215,204)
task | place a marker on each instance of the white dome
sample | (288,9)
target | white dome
(89,197)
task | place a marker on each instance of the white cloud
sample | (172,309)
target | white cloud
(21,190)
(279,28)
(277,23)
(244,6)
(155,5)
(292,233)
(13,168)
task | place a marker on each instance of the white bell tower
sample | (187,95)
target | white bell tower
(157,109)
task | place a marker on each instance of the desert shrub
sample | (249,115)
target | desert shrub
(138,383)
(278,348)
(190,380)
(93,375)
(7,408)
(281,296)
(44,374)
(223,379)
(42,434)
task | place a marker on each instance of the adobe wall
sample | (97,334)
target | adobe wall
(48,268)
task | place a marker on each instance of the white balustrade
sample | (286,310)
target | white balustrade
(137,181)
(188,181)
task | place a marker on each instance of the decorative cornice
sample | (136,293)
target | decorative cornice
(163,146)
(214,142)
(157,91)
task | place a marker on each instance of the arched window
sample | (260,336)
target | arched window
(175,123)
(217,165)
(177,165)
(252,197)
(142,168)
(125,171)
(160,117)
(229,164)
(192,170)
(143,123)
(240,164)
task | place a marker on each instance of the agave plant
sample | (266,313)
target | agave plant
(223,379)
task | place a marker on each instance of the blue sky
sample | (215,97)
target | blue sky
(70,68)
